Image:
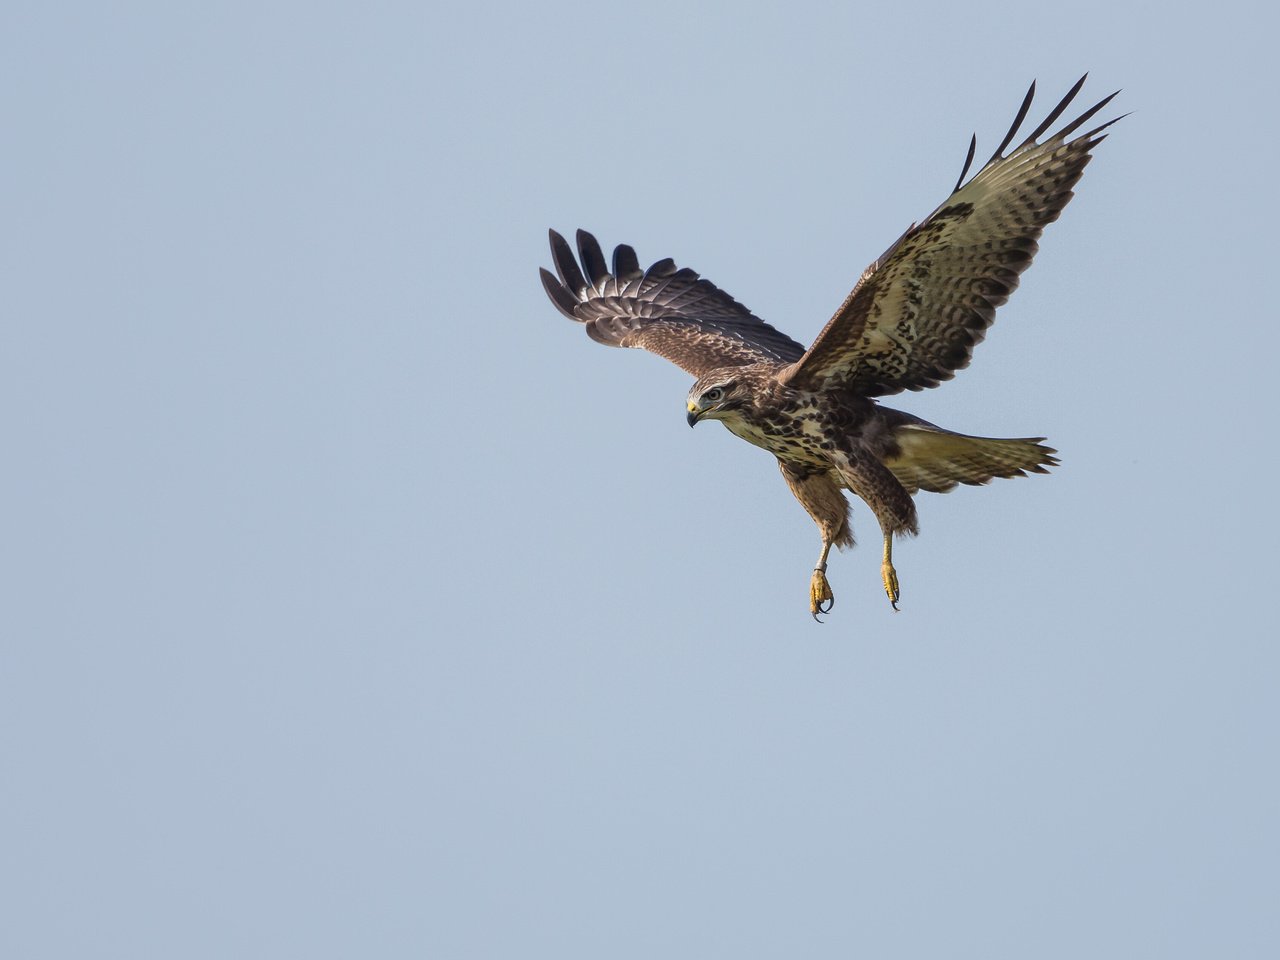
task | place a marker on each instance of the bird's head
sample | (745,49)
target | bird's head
(717,395)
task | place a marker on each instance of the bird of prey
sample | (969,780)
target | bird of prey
(912,321)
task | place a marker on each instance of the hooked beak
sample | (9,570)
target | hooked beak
(695,413)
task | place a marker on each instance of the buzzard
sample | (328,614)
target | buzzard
(911,322)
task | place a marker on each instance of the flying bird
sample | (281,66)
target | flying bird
(911,321)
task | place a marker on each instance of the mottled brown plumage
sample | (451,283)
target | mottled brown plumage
(911,322)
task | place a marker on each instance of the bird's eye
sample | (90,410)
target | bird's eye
(714,395)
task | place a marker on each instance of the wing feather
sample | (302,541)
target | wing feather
(666,310)
(565,264)
(626,266)
(593,262)
(917,312)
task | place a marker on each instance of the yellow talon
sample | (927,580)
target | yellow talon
(890,577)
(887,573)
(819,594)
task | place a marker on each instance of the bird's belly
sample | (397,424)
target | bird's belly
(796,439)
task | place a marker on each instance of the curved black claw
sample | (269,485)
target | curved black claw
(890,577)
(823,609)
(821,599)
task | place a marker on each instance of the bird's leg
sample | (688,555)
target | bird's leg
(887,573)
(819,590)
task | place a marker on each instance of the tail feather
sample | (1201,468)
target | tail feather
(933,459)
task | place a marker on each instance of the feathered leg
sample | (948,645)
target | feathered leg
(820,495)
(875,483)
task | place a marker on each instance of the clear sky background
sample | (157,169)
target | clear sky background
(356,605)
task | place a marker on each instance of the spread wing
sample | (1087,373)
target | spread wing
(668,311)
(919,310)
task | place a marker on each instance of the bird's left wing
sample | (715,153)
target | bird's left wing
(668,311)
(919,310)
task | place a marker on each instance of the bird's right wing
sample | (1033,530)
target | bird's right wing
(668,311)
(919,310)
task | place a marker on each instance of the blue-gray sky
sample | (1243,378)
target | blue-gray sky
(357,605)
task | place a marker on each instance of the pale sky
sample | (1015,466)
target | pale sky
(359,606)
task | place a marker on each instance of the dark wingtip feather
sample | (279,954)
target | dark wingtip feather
(1092,135)
(665,267)
(1079,121)
(566,265)
(561,297)
(1056,112)
(968,161)
(593,261)
(626,265)
(1017,122)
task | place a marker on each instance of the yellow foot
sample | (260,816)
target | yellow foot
(890,577)
(819,594)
